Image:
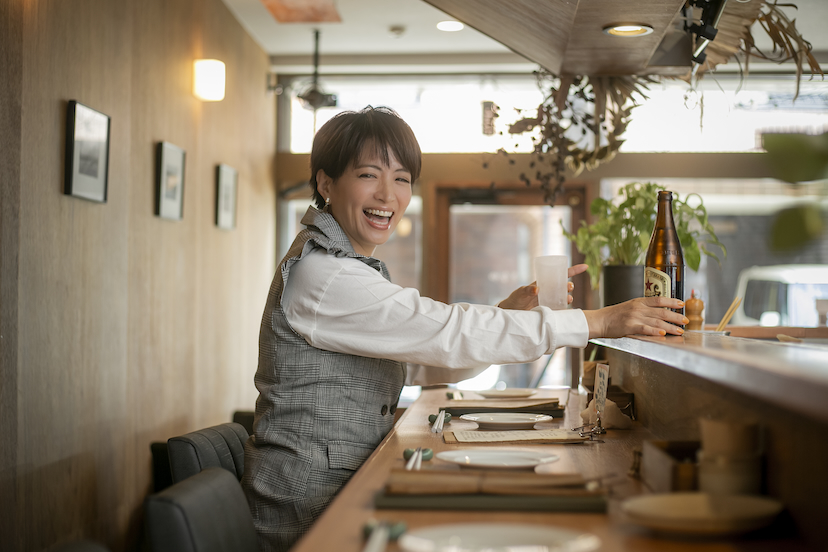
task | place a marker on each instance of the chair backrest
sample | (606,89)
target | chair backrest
(82,546)
(220,446)
(161,470)
(204,513)
(245,418)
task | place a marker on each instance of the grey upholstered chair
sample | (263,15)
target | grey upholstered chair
(82,546)
(245,418)
(220,446)
(161,470)
(204,513)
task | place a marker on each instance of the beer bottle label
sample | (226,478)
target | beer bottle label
(656,283)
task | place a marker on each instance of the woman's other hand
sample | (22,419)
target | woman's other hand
(523,298)
(643,316)
(526,297)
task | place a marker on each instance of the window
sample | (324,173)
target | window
(446,111)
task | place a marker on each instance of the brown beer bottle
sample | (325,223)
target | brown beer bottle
(664,265)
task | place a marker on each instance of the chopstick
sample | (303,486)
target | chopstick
(416,459)
(438,423)
(729,314)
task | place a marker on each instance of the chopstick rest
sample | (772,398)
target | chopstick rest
(378,540)
(395,529)
(428,454)
(415,460)
(433,418)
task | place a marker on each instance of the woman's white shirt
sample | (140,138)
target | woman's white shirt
(341,304)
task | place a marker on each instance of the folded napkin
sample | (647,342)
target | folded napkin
(548,406)
(612,417)
(467,489)
(500,503)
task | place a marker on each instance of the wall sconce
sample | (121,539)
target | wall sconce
(208,81)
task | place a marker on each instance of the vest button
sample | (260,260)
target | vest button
(393,409)
(384,410)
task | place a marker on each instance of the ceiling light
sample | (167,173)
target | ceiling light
(450,26)
(628,29)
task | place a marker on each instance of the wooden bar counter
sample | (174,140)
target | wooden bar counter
(341,527)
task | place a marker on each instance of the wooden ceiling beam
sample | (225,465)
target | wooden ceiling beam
(566,36)
(539,30)
(592,52)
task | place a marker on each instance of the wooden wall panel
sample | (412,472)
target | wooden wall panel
(73,269)
(11,65)
(131,329)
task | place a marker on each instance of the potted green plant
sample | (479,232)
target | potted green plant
(618,239)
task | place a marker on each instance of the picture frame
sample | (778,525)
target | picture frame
(169,181)
(227,185)
(87,153)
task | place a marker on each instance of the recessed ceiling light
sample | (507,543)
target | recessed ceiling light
(450,26)
(628,29)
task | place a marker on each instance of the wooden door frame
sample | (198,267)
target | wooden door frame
(438,197)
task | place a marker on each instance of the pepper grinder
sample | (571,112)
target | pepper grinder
(694,309)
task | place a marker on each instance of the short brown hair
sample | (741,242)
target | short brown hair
(342,140)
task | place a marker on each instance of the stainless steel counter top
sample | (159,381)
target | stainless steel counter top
(791,375)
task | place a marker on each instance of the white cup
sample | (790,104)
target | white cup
(551,275)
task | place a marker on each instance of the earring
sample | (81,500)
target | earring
(327,201)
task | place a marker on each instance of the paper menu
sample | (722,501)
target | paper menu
(545,435)
(601,385)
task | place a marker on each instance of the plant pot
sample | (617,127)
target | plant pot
(621,283)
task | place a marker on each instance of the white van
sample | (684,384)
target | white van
(783,295)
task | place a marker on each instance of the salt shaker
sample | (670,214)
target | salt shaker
(694,309)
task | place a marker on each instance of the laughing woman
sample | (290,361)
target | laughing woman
(338,340)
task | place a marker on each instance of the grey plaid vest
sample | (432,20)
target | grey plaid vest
(319,414)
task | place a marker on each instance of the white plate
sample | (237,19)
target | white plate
(497,537)
(702,513)
(506,420)
(506,393)
(497,458)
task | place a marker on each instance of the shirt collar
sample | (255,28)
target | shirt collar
(327,225)
(336,242)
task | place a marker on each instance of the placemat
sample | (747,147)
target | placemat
(481,481)
(524,436)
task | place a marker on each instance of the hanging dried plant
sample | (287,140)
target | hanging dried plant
(579,124)
(788,44)
(582,119)
(735,37)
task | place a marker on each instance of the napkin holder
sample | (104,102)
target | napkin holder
(669,466)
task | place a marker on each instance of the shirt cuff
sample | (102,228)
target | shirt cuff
(571,328)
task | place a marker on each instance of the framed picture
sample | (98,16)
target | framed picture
(87,153)
(169,181)
(227,180)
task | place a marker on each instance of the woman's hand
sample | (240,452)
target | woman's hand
(526,297)
(644,315)
(523,298)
